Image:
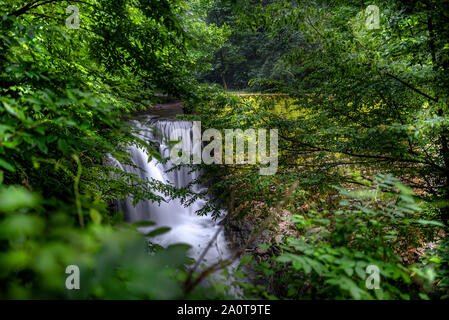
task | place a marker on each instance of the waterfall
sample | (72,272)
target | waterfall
(185,225)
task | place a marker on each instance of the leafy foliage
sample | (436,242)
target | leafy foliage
(329,259)
(363,105)
(66,96)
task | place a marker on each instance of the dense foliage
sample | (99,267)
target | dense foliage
(65,96)
(252,58)
(366,101)
(364,105)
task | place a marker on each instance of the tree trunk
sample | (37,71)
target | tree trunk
(224,69)
(225,85)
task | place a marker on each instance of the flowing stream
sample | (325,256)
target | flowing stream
(185,225)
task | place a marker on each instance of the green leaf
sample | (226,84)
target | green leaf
(6,165)
(63,146)
(95,216)
(158,232)
(143,224)
(431,223)
(14,197)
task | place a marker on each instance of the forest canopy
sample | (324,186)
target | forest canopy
(358,93)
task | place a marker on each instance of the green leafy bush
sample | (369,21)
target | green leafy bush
(65,98)
(373,227)
(114,263)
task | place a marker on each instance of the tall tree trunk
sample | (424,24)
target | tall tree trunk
(223,70)
(225,85)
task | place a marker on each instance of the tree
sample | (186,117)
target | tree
(251,52)
(65,98)
(375,98)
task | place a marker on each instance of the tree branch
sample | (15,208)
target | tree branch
(411,87)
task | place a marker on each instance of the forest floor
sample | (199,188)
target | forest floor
(170,106)
(167,108)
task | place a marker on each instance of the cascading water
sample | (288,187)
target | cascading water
(185,225)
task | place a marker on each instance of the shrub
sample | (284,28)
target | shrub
(335,252)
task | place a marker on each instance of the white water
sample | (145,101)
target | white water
(185,225)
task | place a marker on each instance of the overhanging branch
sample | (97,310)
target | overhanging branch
(411,87)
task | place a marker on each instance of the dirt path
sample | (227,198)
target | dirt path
(169,106)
